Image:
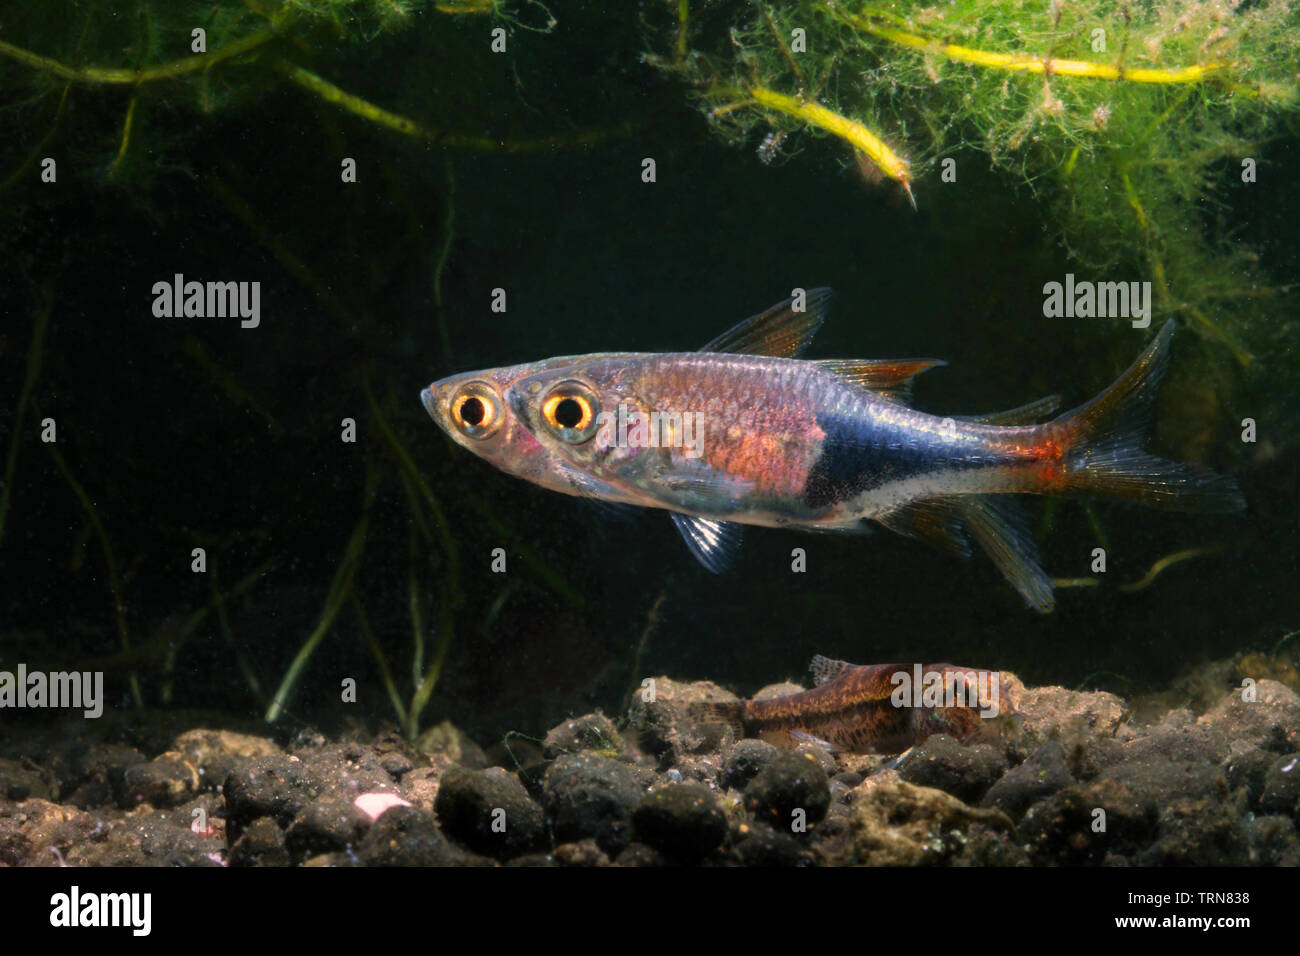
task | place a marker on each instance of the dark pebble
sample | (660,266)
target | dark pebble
(966,772)
(771,848)
(682,820)
(582,853)
(96,780)
(405,836)
(165,781)
(490,812)
(1044,773)
(639,854)
(261,844)
(593,732)
(327,826)
(396,764)
(18,782)
(278,787)
(746,759)
(790,783)
(1249,770)
(1282,787)
(589,796)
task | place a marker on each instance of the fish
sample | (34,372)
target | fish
(745,431)
(874,708)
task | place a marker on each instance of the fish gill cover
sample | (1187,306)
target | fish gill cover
(232,512)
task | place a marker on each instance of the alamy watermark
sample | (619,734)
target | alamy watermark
(1101,300)
(972,688)
(208,300)
(637,429)
(78,690)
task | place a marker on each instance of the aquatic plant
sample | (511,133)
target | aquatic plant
(1130,124)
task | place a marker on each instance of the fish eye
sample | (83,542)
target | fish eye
(476,410)
(570,410)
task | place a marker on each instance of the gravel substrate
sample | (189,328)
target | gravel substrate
(1078,781)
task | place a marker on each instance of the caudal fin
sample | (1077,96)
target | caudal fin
(1104,456)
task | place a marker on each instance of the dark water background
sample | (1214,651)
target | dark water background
(593,259)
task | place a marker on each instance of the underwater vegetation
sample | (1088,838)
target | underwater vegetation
(1129,129)
(1127,122)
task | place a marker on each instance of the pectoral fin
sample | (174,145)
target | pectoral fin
(803,737)
(714,543)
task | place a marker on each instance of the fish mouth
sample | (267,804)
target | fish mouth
(430,403)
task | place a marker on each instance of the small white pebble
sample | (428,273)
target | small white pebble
(675,775)
(374,804)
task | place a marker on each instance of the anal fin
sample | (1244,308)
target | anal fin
(936,521)
(1000,528)
(996,524)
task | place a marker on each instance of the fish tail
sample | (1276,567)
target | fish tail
(1100,451)
(726,715)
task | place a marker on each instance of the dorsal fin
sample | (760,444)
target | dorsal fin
(780,331)
(824,669)
(1030,414)
(889,377)
(714,543)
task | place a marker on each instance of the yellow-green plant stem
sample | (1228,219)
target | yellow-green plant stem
(225,381)
(292,263)
(385,672)
(1074,582)
(814,114)
(196,618)
(425,690)
(115,76)
(683,22)
(35,353)
(1027,63)
(414,605)
(127,124)
(114,583)
(1164,563)
(404,459)
(379,116)
(39,149)
(340,588)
